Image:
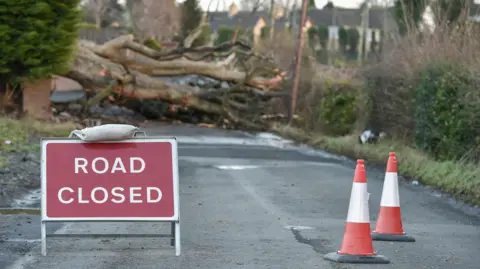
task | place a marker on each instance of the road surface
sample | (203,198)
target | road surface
(285,209)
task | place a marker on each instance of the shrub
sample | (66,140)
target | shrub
(328,99)
(338,107)
(226,33)
(191,16)
(353,37)
(312,34)
(393,80)
(445,125)
(38,38)
(323,35)
(343,39)
(265,32)
(204,37)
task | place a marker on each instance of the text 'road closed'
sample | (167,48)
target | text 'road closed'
(134,179)
(117,195)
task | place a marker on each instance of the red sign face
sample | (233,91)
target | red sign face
(109,180)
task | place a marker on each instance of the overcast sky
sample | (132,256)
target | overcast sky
(223,4)
(320,3)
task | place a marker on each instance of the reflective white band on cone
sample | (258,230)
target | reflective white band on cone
(390,196)
(358,209)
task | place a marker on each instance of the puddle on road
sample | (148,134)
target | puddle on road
(31,199)
(298,228)
(236,167)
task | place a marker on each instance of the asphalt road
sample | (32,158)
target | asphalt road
(243,218)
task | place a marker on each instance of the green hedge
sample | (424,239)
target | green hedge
(337,110)
(445,121)
(225,33)
(38,38)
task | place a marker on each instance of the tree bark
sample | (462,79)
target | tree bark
(254,81)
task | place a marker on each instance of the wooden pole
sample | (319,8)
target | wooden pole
(298,62)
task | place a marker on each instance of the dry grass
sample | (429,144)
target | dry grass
(392,108)
(19,132)
(459,179)
(396,75)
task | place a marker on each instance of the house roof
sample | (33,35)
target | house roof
(343,17)
(474,9)
(348,17)
(246,19)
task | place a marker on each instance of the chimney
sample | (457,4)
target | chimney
(232,10)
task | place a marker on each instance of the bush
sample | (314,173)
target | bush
(343,39)
(312,34)
(204,38)
(38,38)
(393,80)
(265,32)
(323,35)
(337,111)
(445,125)
(226,33)
(329,99)
(191,16)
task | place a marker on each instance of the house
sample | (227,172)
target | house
(254,21)
(378,19)
(428,16)
(474,12)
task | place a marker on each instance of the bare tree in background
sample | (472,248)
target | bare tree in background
(97,8)
(154,18)
(253,5)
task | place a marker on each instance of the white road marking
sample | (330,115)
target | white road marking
(299,228)
(236,167)
(209,140)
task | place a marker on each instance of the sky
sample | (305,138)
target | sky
(320,3)
(223,4)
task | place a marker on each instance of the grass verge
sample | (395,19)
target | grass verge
(461,180)
(19,132)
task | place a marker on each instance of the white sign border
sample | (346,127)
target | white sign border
(172,141)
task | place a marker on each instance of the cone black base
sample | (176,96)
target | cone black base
(392,237)
(345,258)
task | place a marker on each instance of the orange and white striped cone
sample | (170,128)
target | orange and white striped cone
(389,223)
(357,245)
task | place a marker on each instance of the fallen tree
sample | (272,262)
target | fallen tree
(124,69)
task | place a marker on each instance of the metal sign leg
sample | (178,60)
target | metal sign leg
(177,239)
(172,234)
(44,238)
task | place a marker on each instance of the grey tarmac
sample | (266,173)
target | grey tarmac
(254,207)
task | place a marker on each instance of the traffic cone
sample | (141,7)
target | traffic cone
(357,245)
(389,223)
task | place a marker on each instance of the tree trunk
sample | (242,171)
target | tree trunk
(98,19)
(254,79)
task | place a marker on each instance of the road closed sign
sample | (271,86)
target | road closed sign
(133,179)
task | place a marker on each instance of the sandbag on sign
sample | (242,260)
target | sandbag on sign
(105,132)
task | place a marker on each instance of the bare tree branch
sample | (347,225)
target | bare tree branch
(98,8)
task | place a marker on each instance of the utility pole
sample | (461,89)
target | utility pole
(363,36)
(298,62)
(332,47)
(272,18)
